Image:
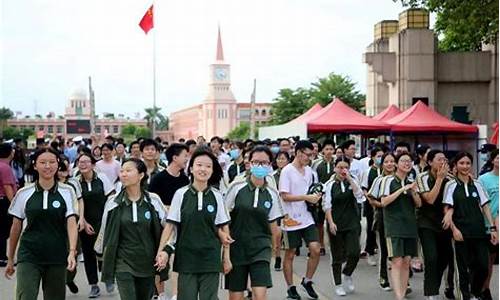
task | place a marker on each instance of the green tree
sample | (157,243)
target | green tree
(27,132)
(292,103)
(289,104)
(162,122)
(129,129)
(5,114)
(241,132)
(143,132)
(340,86)
(109,116)
(462,25)
(10,133)
(152,115)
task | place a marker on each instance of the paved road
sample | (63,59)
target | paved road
(365,279)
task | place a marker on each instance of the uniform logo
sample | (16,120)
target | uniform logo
(474,194)
(210,208)
(56,204)
(267,204)
(147,215)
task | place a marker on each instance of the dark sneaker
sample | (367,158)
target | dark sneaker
(249,294)
(277,264)
(408,290)
(363,254)
(72,287)
(110,287)
(291,293)
(384,285)
(308,288)
(448,293)
(297,251)
(322,252)
(94,291)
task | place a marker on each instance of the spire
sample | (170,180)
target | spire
(220,53)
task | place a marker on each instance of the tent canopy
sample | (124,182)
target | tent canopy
(337,116)
(315,108)
(422,118)
(388,113)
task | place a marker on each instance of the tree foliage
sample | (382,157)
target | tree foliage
(143,132)
(292,103)
(241,132)
(462,25)
(12,133)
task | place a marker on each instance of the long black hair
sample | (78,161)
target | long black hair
(217,174)
(35,157)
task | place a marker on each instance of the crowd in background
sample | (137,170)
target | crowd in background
(136,211)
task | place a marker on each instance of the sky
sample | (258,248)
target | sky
(49,48)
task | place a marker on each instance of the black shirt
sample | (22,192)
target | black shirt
(165,185)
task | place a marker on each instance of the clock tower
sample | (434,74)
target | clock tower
(219,108)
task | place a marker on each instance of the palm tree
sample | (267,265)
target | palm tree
(5,114)
(152,115)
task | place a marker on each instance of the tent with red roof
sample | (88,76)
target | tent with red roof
(338,117)
(420,118)
(388,113)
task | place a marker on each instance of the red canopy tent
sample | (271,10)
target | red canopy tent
(420,118)
(337,116)
(388,113)
(315,108)
(494,137)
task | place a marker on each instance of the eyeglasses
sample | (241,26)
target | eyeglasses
(406,161)
(84,162)
(260,163)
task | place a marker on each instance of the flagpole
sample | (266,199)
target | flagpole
(154,77)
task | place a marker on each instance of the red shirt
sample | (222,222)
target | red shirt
(6,178)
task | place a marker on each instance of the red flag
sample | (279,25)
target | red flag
(146,22)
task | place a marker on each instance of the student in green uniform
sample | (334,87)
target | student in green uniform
(237,166)
(421,163)
(436,242)
(341,198)
(399,198)
(150,151)
(324,167)
(198,220)
(465,212)
(373,196)
(366,182)
(63,177)
(49,208)
(254,209)
(282,159)
(95,191)
(130,234)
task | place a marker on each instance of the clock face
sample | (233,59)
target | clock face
(220,74)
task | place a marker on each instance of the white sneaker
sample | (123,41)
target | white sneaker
(371,260)
(339,290)
(348,284)
(435,297)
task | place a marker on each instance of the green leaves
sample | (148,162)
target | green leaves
(462,25)
(292,103)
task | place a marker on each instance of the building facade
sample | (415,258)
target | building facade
(75,121)
(405,65)
(219,112)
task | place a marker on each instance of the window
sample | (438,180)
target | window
(50,129)
(98,129)
(256,112)
(460,114)
(106,128)
(263,113)
(244,114)
(59,129)
(115,128)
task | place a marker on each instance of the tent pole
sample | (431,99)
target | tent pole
(391,140)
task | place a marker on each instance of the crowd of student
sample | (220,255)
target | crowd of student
(186,212)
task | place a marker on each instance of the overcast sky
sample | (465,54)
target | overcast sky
(48,49)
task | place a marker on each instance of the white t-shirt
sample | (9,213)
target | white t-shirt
(225,160)
(357,168)
(111,169)
(293,182)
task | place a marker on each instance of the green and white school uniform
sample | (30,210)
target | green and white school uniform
(400,223)
(252,209)
(471,255)
(324,169)
(235,170)
(128,240)
(436,242)
(343,203)
(197,216)
(43,248)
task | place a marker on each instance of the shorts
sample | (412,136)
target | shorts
(293,239)
(401,247)
(259,272)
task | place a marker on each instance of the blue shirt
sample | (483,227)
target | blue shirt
(490,183)
(71,153)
